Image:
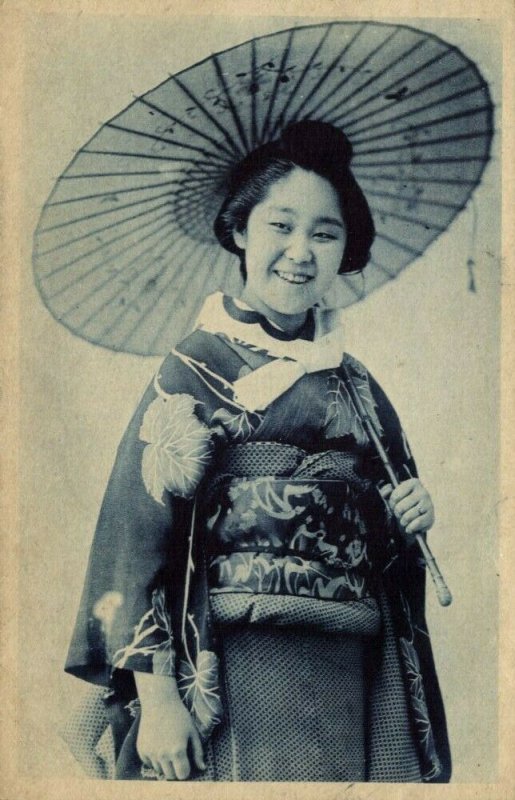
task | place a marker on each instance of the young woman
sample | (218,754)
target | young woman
(253,599)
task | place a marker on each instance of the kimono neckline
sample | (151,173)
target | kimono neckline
(223,318)
(251,317)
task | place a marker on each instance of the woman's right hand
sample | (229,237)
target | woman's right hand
(168,740)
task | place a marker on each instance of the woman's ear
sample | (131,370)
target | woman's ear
(240,238)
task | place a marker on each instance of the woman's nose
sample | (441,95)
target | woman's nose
(299,250)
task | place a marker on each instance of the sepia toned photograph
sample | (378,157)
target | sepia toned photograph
(260,285)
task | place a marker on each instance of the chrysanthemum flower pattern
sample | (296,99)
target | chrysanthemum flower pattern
(178,447)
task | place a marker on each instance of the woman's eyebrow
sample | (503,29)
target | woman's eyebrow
(324,220)
(330,221)
(282,208)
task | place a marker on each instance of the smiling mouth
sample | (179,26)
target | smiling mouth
(293,277)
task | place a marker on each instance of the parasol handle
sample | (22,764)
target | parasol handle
(442,590)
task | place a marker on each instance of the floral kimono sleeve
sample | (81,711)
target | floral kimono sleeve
(140,544)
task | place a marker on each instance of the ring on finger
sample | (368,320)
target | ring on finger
(421,510)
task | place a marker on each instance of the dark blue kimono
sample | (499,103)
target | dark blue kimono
(179,525)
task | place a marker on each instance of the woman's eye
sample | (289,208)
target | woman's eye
(281,226)
(324,236)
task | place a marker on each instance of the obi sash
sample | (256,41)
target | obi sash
(282,521)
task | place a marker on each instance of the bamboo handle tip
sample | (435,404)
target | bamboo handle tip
(442,591)
(444,596)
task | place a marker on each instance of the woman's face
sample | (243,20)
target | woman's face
(293,243)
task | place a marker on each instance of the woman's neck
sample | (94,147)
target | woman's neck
(286,322)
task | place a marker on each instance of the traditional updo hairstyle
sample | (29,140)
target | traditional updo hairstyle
(314,146)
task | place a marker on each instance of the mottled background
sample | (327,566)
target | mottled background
(432,344)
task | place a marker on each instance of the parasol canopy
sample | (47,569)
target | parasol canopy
(124,252)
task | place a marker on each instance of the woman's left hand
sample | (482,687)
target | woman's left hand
(412,506)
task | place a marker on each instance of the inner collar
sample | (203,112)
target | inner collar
(251,317)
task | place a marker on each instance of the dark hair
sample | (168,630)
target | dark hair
(314,146)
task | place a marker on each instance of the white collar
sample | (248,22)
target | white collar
(294,358)
(328,331)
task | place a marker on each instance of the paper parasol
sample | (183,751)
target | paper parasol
(124,251)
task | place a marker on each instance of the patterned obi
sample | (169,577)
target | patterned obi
(283,522)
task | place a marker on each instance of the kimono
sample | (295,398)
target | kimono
(243,547)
